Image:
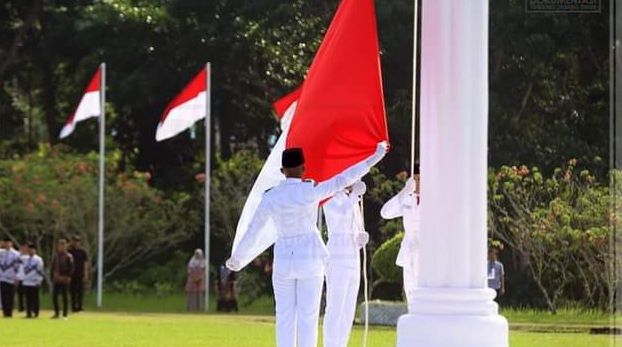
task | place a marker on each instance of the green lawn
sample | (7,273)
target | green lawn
(122,329)
(150,320)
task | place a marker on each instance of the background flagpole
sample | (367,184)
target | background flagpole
(102,166)
(413,133)
(208,116)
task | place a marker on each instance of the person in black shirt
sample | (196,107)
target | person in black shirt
(62,270)
(80,274)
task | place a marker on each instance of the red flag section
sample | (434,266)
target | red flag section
(282,105)
(185,109)
(341,115)
(89,106)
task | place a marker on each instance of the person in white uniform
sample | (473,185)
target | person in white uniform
(299,253)
(31,275)
(406,205)
(346,236)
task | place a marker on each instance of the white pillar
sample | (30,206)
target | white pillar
(452,306)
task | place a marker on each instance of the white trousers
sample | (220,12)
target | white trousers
(342,287)
(297,309)
(409,280)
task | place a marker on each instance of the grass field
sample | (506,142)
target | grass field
(119,329)
(135,321)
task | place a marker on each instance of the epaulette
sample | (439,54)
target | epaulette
(308,180)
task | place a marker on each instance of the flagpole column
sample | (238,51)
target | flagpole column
(208,139)
(102,167)
(452,305)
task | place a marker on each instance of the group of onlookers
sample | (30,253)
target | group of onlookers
(22,273)
(226,289)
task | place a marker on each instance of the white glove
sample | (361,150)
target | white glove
(361,239)
(359,188)
(381,150)
(411,185)
(233,264)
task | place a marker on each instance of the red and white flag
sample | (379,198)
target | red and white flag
(337,117)
(90,105)
(340,117)
(187,108)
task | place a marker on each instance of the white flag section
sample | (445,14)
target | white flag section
(269,177)
(185,110)
(89,107)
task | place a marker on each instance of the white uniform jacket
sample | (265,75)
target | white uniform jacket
(343,218)
(31,271)
(9,265)
(406,205)
(293,207)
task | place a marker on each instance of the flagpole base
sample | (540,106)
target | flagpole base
(451,318)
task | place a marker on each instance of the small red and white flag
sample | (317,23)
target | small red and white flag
(187,108)
(90,105)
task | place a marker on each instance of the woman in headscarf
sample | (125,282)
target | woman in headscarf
(195,284)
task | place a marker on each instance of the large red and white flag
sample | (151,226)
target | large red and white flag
(337,117)
(340,117)
(89,107)
(187,108)
(269,177)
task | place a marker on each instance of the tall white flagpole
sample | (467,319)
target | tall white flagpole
(413,130)
(208,116)
(102,167)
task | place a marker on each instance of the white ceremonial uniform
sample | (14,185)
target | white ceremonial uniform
(299,253)
(406,205)
(31,271)
(343,272)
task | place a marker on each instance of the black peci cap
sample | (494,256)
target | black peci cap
(292,157)
(7,239)
(32,245)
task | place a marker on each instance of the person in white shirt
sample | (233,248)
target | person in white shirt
(346,236)
(299,253)
(23,255)
(1,250)
(406,205)
(9,265)
(31,275)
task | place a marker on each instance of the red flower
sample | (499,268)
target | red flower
(200,177)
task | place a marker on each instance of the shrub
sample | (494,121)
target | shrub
(383,260)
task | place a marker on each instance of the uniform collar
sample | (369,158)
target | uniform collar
(290,180)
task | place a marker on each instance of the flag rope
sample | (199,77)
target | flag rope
(413,140)
(361,221)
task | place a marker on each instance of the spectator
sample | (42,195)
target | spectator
(23,255)
(81,273)
(195,284)
(9,265)
(496,273)
(226,291)
(31,276)
(62,270)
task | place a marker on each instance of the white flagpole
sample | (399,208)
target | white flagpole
(208,116)
(413,144)
(102,166)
